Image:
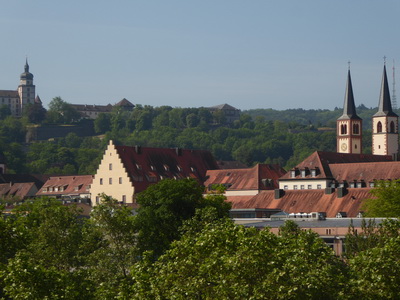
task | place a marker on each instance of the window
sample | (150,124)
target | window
(285,187)
(101,181)
(120,180)
(313,172)
(110,180)
(293,173)
(302,187)
(392,129)
(372,184)
(303,173)
(295,187)
(110,167)
(309,187)
(97,199)
(123,199)
(379,127)
(319,186)
(356,129)
(329,231)
(343,129)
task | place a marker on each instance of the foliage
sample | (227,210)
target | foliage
(385,201)
(226,261)
(61,112)
(163,208)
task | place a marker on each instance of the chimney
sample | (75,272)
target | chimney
(279,193)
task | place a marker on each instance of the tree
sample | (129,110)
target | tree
(62,112)
(375,269)
(115,235)
(226,261)
(49,264)
(102,123)
(35,112)
(163,208)
(385,201)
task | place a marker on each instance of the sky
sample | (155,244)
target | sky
(250,54)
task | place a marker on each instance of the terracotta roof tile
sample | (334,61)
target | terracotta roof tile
(165,162)
(366,171)
(295,201)
(69,185)
(323,160)
(246,179)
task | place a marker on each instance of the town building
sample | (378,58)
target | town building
(74,188)
(332,230)
(125,171)
(230,113)
(25,95)
(385,124)
(93,111)
(337,183)
(245,182)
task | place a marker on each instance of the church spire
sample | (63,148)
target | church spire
(26,66)
(349,108)
(385,105)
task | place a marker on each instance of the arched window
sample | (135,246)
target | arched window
(343,129)
(392,128)
(379,127)
(356,129)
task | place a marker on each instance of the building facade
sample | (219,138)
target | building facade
(16,100)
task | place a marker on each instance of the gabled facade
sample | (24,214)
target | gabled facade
(125,171)
(349,125)
(385,128)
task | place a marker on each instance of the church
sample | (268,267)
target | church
(336,183)
(18,99)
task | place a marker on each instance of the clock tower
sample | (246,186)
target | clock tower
(385,128)
(349,125)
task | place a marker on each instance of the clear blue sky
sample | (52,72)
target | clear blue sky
(250,54)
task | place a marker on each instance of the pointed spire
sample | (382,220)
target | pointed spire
(385,105)
(26,65)
(349,108)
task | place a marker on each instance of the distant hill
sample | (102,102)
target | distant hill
(316,117)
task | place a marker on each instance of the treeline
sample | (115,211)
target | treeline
(259,136)
(182,246)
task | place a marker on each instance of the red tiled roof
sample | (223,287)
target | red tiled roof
(165,162)
(323,160)
(21,189)
(9,93)
(295,201)
(366,171)
(70,184)
(246,179)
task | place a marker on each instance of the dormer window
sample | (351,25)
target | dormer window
(303,173)
(313,172)
(352,184)
(372,184)
(293,173)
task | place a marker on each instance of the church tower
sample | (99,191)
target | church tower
(385,128)
(26,89)
(349,125)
